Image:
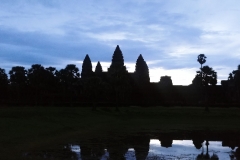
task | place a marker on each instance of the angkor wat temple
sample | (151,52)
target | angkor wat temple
(162,92)
(137,83)
(116,87)
(140,75)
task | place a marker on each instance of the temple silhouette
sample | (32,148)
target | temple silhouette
(151,93)
(141,74)
(117,146)
(114,87)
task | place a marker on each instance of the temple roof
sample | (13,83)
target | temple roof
(117,58)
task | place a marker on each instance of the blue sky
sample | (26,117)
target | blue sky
(169,34)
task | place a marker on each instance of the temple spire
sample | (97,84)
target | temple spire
(86,68)
(117,58)
(141,70)
(98,69)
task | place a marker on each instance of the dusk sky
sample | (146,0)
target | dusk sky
(170,34)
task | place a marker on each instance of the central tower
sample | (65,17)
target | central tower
(117,60)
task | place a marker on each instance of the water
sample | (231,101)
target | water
(151,146)
(180,150)
(186,150)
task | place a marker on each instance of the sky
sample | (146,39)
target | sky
(169,34)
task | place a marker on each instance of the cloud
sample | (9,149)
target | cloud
(109,36)
(168,34)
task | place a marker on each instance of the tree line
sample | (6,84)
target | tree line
(116,87)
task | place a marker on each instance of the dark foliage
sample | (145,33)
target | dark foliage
(232,86)
(18,76)
(116,87)
(3,86)
(3,78)
(205,77)
(201,59)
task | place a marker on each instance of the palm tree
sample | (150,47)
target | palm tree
(209,77)
(201,59)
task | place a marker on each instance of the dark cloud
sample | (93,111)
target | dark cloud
(30,48)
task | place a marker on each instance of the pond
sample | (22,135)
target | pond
(150,146)
(180,149)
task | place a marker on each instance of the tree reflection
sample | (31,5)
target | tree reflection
(118,145)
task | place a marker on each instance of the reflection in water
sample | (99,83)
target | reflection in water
(180,149)
(185,149)
(152,146)
(76,149)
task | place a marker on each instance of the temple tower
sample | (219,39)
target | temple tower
(142,71)
(98,68)
(86,68)
(117,60)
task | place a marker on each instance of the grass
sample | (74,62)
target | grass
(37,128)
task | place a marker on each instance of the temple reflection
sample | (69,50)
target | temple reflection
(145,146)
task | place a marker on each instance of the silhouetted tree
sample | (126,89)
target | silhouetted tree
(37,80)
(69,80)
(205,77)
(42,82)
(36,74)
(52,80)
(236,80)
(209,76)
(65,85)
(18,76)
(236,74)
(3,78)
(230,77)
(201,59)
(197,81)
(18,82)
(86,68)
(69,75)
(3,86)
(52,84)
